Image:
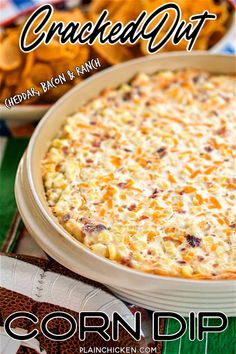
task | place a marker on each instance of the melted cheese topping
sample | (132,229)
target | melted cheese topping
(145,174)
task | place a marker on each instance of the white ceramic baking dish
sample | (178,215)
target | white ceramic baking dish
(151,291)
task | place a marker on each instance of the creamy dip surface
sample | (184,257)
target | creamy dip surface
(145,174)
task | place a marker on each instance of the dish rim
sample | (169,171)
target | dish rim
(49,217)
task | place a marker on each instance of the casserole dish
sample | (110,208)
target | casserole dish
(150,291)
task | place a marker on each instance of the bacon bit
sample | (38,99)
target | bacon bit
(222,131)
(90,228)
(58,167)
(171,178)
(200,258)
(180,211)
(150,102)
(232,225)
(193,240)
(188,189)
(127,96)
(65,150)
(209,170)
(96,144)
(181,262)
(208,148)
(215,203)
(132,207)
(96,134)
(155,193)
(66,217)
(127,260)
(122,184)
(213,111)
(194,174)
(89,161)
(127,150)
(225,96)
(143,217)
(162,151)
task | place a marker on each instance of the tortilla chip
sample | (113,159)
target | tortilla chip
(128,11)
(113,54)
(97,6)
(5,92)
(55,51)
(12,78)
(41,72)
(10,55)
(29,62)
(81,58)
